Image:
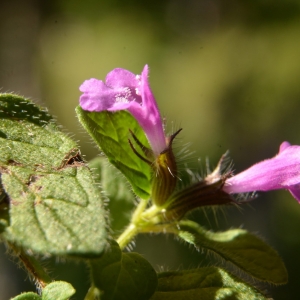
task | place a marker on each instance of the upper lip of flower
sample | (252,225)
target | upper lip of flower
(279,172)
(124,90)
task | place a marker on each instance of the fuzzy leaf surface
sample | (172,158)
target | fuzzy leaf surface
(122,276)
(29,136)
(111,132)
(51,204)
(58,290)
(27,296)
(116,188)
(206,284)
(239,247)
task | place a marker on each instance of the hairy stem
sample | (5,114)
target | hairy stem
(138,211)
(143,220)
(92,294)
(131,231)
(127,236)
(32,266)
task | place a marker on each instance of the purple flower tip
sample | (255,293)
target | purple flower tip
(279,172)
(123,90)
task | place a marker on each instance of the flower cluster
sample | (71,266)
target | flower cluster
(122,90)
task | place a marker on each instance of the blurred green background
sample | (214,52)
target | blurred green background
(227,72)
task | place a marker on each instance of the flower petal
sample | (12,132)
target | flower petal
(283,146)
(295,191)
(125,91)
(282,171)
(96,95)
(149,117)
(121,78)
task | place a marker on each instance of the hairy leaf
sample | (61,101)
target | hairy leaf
(111,132)
(58,290)
(27,296)
(205,283)
(29,136)
(123,275)
(239,247)
(50,203)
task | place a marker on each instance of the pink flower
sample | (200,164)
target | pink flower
(123,90)
(279,172)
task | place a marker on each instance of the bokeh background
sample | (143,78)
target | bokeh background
(227,72)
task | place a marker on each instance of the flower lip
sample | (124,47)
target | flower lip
(123,90)
(117,93)
(279,172)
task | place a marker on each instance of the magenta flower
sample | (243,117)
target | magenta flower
(123,90)
(279,172)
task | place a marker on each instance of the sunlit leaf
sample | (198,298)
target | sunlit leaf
(27,296)
(50,203)
(58,290)
(111,132)
(29,136)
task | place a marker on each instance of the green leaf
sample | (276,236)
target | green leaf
(111,133)
(29,136)
(58,290)
(54,205)
(205,283)
(239,247)
(27,296)
(4,209)
(116,188)
(123,275)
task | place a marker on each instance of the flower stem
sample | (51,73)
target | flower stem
(143,220)
(92,294)
(32,266)
(127,236)
(138,211)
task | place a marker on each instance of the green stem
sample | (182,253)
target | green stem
(92,294)
(151,214)
(132,230)
(127,236)
(32,266)
(143,220)
(138,211)
(158,228)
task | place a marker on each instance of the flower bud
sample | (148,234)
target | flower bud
(199,194)
(206,192)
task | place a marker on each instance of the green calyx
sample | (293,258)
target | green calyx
(165,174)
(196,195)
(205,192)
